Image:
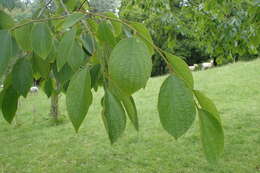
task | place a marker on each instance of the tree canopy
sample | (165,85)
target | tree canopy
(199,30)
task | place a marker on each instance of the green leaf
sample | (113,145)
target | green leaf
(40,66)
(141,29)
(65,87)
(64,74)
(8,81)
(41,39)
(113,116)
(8,49)
(89,43)
(95,73)
(130,108)
(54,52)
(48,87)
(176,106)
(22,76)
(65,48)
(23,37)
(105,35)
(76,58)
(116,25)
(212,135)
(207,104)
(130,65)
(79,97)
(7,3)
(181,69)
(1,97)
(113,87)
(71,4)
(9,104)
(6,21)
(127,32)
(93,25)
(72,19)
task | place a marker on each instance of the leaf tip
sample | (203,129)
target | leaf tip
(112,141)
(76,128)
(9,121)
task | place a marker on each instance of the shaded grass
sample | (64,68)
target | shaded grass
(35,144)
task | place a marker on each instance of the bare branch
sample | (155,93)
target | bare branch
(35,21)
(82,4)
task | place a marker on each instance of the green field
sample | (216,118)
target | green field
(35,144)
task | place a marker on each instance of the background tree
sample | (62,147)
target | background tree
(199,30)
(105,5)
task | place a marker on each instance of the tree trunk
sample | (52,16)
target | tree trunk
(54,112)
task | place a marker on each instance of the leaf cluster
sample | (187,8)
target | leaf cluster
(85,51)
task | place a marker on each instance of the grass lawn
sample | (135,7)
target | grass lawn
(35,145)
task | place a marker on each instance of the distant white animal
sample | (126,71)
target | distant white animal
(193,67)
(34,89)
(207,65)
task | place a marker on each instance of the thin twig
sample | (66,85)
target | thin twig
(82,4)
(159,50)
(38,20)
(68,13)
(44,8)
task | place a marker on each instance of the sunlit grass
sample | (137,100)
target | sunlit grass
(34,144)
